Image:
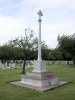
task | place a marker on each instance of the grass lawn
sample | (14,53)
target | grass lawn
(12,92)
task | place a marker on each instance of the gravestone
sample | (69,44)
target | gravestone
(12,65)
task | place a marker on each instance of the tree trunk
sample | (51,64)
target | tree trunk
(24,63)
(74,61)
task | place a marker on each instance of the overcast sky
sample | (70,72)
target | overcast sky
(17,15)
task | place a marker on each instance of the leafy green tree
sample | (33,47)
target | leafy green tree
(26,44)
(6,53)
(67,44)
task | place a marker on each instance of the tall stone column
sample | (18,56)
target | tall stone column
(39,65)
(39,36)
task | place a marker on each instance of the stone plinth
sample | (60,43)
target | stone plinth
(39,77)
(40,80)
(39,66)
(43,79)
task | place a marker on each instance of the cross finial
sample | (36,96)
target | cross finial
(40,13)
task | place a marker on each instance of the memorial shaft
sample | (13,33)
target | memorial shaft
(39,36)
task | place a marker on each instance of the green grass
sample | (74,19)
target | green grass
(12,92)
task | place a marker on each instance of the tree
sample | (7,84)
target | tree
(26,44)
(6,53)
(67,44)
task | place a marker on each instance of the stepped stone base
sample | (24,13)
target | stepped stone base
(39,81)
(42,79)
(40,89)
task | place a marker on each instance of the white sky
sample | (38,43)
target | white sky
(17,15)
